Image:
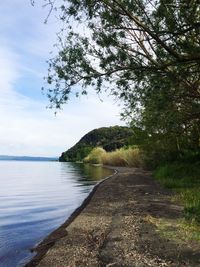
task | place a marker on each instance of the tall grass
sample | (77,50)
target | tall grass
(95,156)
(130,157)
(184,180)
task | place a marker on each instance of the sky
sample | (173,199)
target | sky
(27,127)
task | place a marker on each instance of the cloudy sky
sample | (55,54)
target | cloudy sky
(26,126)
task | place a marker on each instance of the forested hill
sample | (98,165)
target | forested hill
(110,138)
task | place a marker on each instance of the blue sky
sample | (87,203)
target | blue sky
(26,126)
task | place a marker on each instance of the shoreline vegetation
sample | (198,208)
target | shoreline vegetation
(124,157)
(174,185)
(162,208)
(176,169)
(182,178)
(127,219)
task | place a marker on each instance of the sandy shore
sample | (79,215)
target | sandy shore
(119,225)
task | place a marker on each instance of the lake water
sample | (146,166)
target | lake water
(35,199)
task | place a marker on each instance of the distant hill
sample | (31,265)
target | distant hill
(110,138)
(27,158)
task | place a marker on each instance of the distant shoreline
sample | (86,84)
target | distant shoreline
(27,158)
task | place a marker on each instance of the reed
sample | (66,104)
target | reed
(130,157)
(95,156)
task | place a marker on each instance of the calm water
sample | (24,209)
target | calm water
(35,198)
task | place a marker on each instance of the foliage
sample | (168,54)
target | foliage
(76,154)
(160,148)
(184,179)
(129,44)
(130,157)
(109,138)
(146,53)
(95,156)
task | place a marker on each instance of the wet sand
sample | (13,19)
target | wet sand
(115,227)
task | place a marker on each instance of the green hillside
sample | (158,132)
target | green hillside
(110,138)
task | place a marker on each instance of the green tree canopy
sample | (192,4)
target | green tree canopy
(145,52)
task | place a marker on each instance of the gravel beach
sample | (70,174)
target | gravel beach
(118,226)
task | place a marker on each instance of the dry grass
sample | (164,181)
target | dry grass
(95,156)
(131,157)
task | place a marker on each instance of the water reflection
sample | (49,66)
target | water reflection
(35,198)
(91,172)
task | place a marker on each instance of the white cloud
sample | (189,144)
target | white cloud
(26,126)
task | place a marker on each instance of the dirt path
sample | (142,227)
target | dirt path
(118,227)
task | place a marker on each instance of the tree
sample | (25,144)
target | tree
(144,52)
